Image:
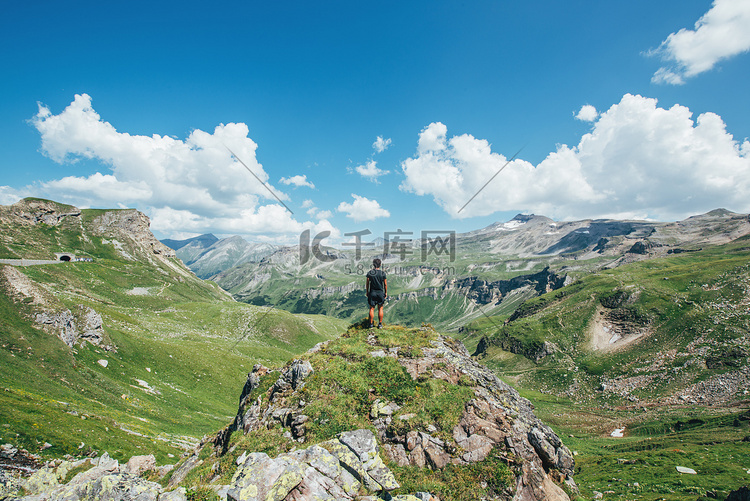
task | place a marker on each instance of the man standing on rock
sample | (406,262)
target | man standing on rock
(377,291)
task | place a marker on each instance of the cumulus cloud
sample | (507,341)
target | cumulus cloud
(362,209)
(371,171)
(194,182)
(380,144)
(587,113)
(265,219)
(297,181)
(721,33)
(315,212)
(639,160)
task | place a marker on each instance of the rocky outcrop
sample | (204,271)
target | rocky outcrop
(133,225)
(485,292)
(87,325)
(331,291)
(497,418)
(335,469)
(495,422)
(100,478)
(32,211)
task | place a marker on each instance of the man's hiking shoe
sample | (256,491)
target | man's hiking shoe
(371,326)
(380,326)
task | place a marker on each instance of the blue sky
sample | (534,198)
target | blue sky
(620,109)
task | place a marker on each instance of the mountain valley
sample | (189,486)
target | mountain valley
(624,344)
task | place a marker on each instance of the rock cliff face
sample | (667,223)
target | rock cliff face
(72,327)
(129,225)
(493,421)
(133,225)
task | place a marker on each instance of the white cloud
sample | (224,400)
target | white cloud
(266,219)
(639,160)
(184,185)
(587,113)
(10,195)
(315,212)
(362,209)
(380,144)
(371,171)
(297,181)
(722,32)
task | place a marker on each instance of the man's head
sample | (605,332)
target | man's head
(376,263)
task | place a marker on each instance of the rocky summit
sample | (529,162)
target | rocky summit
(419,407)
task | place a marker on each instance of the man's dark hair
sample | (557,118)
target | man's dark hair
(376,262)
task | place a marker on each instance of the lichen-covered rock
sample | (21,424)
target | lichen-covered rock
(119,486)
(41,482)
(10,486)
(263,478)
(103,481)
(335,469)
(179,494)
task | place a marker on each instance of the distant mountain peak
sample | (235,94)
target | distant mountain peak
(206,240)
(523,217)
(720,212)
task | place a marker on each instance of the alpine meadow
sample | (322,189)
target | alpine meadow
(397,251)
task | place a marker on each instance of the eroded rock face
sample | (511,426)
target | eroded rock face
(134,225)
(497,418)
(34,211)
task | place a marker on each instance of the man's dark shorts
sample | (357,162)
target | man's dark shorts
(376,298)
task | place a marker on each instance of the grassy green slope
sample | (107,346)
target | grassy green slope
(183,348)
(687,308)
(692,312)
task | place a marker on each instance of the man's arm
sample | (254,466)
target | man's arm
(385,287)
(367,285)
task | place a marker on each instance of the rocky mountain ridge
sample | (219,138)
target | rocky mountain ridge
(127,230)
(207,255)
(498,254)
(493,424)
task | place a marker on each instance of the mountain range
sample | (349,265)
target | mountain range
(587,358)
(206,255)
(490,271)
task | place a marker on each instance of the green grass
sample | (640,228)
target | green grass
(490,477)
(642,465)
(183,350)
(685,303)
